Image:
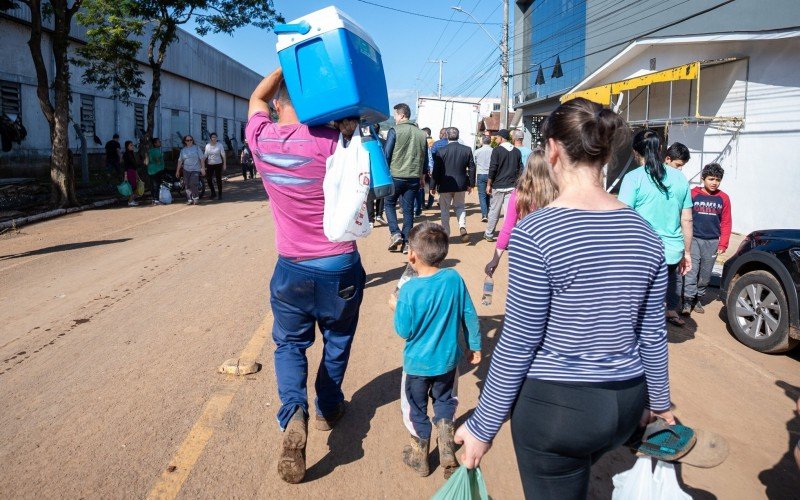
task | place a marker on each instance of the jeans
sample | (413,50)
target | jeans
(406,190)
(414,393)
(499,204)
(301,299)
(560,429)
(214,171)
(374,207)
(704,254)
(419,202)
(482,196)
(155,184)
(191,182)
(674,285)
(456,202)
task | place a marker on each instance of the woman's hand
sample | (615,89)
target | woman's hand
(649,416)
(473,449)
(492,265)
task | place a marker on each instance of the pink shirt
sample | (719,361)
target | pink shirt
(508,223)
(291,162)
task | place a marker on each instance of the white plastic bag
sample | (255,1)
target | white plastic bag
(164,195)
(636,483)
(641,483)
(346,186)
(666,483)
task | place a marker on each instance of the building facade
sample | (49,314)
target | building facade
(202,91)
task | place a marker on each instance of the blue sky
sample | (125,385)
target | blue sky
(406,42)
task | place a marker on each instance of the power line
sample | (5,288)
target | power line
(417,13)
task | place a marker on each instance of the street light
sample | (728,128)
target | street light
(503,46)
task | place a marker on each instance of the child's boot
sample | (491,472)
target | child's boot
(447,447)
(415,455)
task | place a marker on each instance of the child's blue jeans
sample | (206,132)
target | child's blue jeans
(302,298)
(414,393)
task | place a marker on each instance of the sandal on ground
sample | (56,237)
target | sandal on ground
(667,442)
(709,450)
(675,320)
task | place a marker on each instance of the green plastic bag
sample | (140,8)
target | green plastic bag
(124,188)
(464,484)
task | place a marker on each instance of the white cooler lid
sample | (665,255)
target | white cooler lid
(323,21)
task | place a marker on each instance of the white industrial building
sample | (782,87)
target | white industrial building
(730,98)
(203,91)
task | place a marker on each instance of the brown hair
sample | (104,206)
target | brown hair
(430,242)
(535,188)
(588,132)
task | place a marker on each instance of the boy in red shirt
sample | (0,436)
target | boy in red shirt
(711,216)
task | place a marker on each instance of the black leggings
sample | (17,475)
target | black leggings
(560,429)
(155,184)
(213,171)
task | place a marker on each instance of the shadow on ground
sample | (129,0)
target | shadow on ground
(62,248)
(783,479)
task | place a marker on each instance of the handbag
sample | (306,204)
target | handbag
(124,188)
(641,483)
(346,186)
(139,186)
(164,195)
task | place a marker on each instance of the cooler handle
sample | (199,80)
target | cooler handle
(302,28)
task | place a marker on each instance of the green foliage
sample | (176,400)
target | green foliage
(115,28)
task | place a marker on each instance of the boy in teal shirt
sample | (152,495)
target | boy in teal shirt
(155,169)
(432,312)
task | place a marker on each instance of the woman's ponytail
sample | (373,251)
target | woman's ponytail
(648,145)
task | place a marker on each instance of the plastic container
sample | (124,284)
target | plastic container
(332,69)
(381,183)
(408,273)
(488,289)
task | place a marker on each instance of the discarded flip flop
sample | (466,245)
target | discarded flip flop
(709,450)
(667,442)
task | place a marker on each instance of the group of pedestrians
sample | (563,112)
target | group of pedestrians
(577,369)
(195,164)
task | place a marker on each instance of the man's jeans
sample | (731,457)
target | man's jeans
(499,203)
(455,201)
(406,190)
(704,254)
(302,298)
(482,196)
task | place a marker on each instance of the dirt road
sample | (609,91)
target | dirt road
(114,322)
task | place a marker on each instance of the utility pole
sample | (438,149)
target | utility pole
(504,76)
(440,62)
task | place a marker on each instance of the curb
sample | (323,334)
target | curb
(22,221)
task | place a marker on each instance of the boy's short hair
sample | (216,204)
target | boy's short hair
(678,152)
(713,170)
(430,242)
(403,109)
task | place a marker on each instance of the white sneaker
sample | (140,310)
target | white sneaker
(189,201)
(133,204)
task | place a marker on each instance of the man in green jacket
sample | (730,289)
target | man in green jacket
(407,154)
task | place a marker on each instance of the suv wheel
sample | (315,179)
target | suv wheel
(758,313)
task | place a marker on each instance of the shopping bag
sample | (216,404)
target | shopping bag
(345,187)
(636,483)
(124,188)
(164,195)
(464,484)
(139,187)
(666,485)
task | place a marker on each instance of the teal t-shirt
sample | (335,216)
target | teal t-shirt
(432,314)
(525,152)
(661,210)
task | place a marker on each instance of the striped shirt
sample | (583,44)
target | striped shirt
(585,304)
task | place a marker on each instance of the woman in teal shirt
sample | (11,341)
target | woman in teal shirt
(155,169)
(661,195)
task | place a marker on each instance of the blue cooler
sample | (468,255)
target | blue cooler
(332,68)
(380,179)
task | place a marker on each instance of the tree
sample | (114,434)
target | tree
(55,109)
(114,39)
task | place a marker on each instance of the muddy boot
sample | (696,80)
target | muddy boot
(447,447)
(415,455)
(292,463)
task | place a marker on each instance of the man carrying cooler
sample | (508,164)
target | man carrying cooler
(316,281)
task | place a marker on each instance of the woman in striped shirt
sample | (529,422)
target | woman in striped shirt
(582,358)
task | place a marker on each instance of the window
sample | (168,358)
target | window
(10,99)
(204,127)
(496,106)
(87,114)
(241,132)
(224,128)
(138,112)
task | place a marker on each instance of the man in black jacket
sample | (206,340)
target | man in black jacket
(453,178)
(505,167)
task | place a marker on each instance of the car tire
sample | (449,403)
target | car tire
(751,322)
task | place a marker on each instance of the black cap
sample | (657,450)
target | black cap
(504,134)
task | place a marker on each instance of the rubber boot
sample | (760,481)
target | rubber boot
(447,447)
(292,463)
(415,455)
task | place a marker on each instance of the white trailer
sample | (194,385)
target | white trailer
(437,113)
